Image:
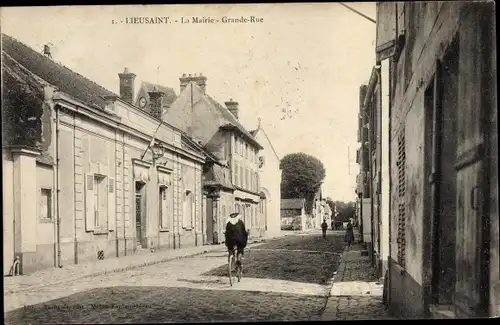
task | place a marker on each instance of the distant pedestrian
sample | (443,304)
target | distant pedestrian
(333,224)
(349,235)
(324,227)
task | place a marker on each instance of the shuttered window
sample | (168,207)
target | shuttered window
(401,167)
(46,203)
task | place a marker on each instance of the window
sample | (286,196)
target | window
(46,203)
(164,207)
(236,174)
(247,180)
(188,209)
(242,177)
(233,144)
(100,201)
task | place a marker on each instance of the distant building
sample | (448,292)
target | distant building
(293,214)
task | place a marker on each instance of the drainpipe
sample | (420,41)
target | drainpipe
(75,241)
(123,197)
(57,190)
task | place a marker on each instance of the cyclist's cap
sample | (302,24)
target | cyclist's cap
(234,214)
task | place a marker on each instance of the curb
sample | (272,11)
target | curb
(111,270)
(130,267)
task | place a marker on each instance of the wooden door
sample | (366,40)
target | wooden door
(471,296)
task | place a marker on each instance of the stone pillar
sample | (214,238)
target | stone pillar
(25,206)
(152,196)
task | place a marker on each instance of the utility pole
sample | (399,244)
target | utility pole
(357,12)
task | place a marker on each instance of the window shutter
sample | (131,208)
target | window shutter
(89,202)
(111,205)
(401,237)
(165,211)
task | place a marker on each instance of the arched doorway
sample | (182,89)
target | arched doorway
(265,198)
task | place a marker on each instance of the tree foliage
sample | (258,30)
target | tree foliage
(346,210)
(302,177)
(331,204)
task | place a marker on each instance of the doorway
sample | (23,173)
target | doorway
(140,213)
(441,102)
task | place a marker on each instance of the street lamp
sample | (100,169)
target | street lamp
(158,151)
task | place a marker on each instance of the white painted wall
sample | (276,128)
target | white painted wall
(8,210)
(270,180)
(384,212)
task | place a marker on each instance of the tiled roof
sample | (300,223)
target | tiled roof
(292,203)
(219,176)
(56,74)
(228,116)
(170,95)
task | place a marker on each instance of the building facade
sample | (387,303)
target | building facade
(105,185)
(230,144)
(293,214)
(443,158)
(270,180)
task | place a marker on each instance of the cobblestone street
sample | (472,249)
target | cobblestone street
(286,279)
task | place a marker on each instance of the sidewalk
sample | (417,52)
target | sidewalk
(68,273)
(356,292)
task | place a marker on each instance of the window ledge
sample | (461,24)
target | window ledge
(46,220)
(164,230)
(100,232)
(187,229)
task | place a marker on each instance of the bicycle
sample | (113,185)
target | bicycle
(232,265)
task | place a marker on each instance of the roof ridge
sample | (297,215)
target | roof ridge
(56,62)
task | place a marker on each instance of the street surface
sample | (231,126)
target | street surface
(285,279)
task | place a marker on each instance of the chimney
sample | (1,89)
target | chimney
(127,86)
(232,106)
(156,102)
(200,80)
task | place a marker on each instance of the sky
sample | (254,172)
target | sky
(307,60)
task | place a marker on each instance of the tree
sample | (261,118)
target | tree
(331,204)
(302,177)
(346,210)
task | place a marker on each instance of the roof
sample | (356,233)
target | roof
(232,121)
(287,204)
(256,131)
(56,74)
(170,95)
(218,176)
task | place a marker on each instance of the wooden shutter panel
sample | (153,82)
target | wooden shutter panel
(165,211)
(386,29)
(111,205)
(89,202)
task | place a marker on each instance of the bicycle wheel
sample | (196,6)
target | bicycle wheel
(239,272)
(230,261)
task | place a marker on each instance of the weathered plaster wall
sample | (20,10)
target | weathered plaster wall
(441,24)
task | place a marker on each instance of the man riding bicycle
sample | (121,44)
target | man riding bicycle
(236,236)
